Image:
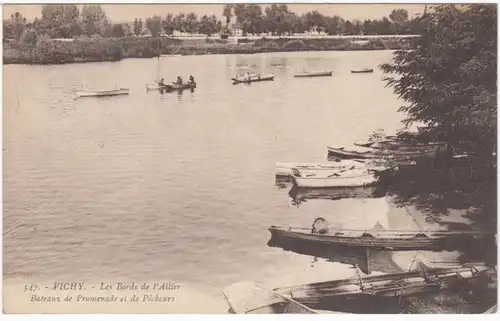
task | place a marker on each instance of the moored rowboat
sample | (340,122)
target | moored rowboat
(362,71)
(422,279)
(250,298)
(389,150)
(253,78)
(286,169)
(102,93)
(357,177)
(325,73)
(379,238)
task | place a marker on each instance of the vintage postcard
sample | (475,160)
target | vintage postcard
(249,158)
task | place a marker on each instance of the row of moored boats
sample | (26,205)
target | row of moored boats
(362,165)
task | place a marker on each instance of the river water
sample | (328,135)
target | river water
(180,187)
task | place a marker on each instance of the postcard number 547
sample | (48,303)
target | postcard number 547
(30,287)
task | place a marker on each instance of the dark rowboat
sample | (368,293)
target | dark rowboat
(379,239)
(180,87)
(250,298)
(253,78)
(307,74)
(171,87)
(390,150)
(422,279)
(362,71)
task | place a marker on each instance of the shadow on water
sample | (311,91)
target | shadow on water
(367,260)
(438,192)
(299,195)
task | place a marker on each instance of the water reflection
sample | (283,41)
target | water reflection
(299,195)
(367,260)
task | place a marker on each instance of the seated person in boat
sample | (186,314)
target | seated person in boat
(247,76)
(191,80)
(179,80)
(161,82)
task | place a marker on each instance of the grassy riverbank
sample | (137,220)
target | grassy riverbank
(114,49)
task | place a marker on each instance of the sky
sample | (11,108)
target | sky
(128,12)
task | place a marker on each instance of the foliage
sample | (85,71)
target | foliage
(137,26)
(449,81)
(14,27)
(29,36)
(94,20)
(227,12)
(61,21)
(154,25)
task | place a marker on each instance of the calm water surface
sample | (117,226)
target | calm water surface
(179,186)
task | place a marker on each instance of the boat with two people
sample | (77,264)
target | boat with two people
(378,237)
(309,74)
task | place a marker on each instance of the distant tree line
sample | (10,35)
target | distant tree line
(277,19)
(68,21)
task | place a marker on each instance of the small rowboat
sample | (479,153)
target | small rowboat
(389,150)
(378,239)
(250,298)
(306,74)
(337,178)
(362,71)
(253,78)
(102,93)
(286,169)
(420,280)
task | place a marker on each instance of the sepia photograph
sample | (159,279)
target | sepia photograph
(249,158)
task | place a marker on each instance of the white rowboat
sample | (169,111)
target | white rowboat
(102,93)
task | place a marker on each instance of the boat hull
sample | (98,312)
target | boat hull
(404,284)
(173,87)
(286,169)
(102,93)
(314,74)
(335,182)
(362,71)
(389,152)
(374,240)
(252,79)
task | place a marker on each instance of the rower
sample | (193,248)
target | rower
(161,82)
(191,79)
(247,76)
(179,80)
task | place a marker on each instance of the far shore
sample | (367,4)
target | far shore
(114,49)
